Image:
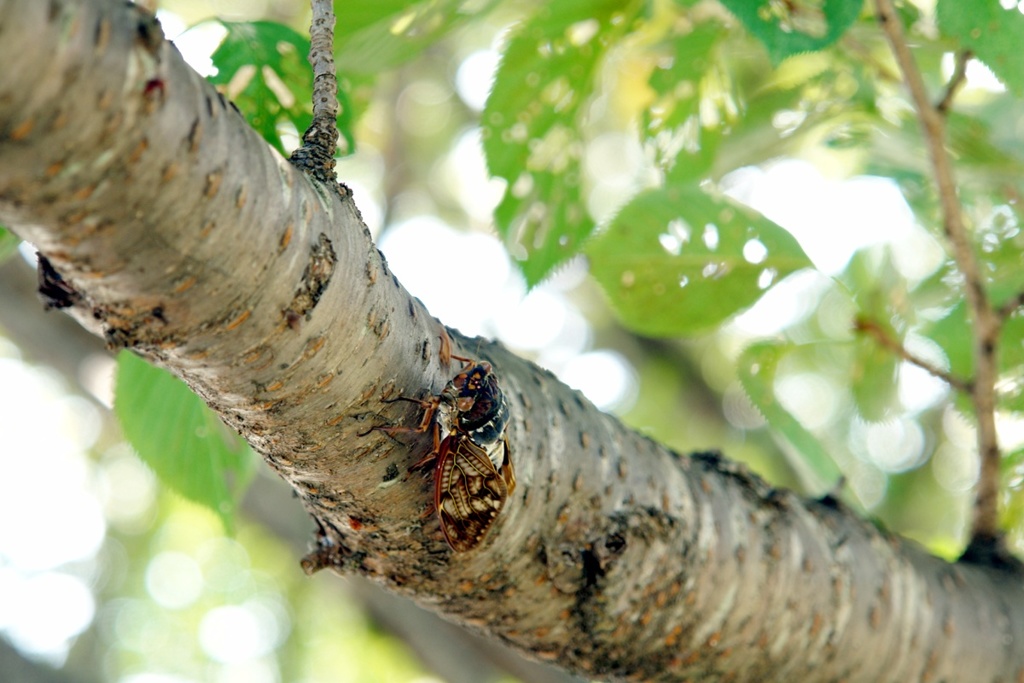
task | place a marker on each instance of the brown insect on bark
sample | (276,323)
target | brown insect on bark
(473,471)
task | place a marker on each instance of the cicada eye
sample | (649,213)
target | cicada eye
(464,403)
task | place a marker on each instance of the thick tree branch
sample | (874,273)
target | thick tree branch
(614,557)
(985,323)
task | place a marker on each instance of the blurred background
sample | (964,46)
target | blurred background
(116,579)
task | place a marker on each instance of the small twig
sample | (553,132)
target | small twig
(320,141)
(885,339)
(956,81)
(1009,307)
(985,525)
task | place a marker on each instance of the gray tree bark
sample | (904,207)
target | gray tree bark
(187,239)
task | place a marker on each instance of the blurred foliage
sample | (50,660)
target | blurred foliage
(532,135)
(788,28)
(177,435)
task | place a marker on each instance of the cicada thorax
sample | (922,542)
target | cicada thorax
(473,404)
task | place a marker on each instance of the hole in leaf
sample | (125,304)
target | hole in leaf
(766,278)
(711,236)
(670,243)
(754,251)
(581,32)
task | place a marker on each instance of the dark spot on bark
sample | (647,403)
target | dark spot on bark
(615,544)
(101,36)
(712,458)
(776,498)
(592,570)
(54,290)
(149,32)
(158,313)
(209,106)
(587,613)
(117,338)
(988,348)
(391,472)
(830,502)
(154,89)
(315,278)
(195,134)
(223,102)
(291,318)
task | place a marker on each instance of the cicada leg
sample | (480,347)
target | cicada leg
(429,409)
(445,352)
(432,455)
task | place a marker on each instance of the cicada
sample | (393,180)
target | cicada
(473,472)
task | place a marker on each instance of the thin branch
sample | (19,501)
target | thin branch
(985,323)
(1010,306)
(320,141)
(956,81)
(880,335)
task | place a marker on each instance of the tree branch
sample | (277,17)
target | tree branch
(985,524)
(956,81)
(1010,306)
(882,337)
(614,557)
(320,141)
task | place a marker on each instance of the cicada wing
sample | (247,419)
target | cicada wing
(468,492)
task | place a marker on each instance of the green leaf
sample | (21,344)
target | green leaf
(757,368)
(375,35)
(532,128)
(881,297)
(994,34)
(180,438)
(953,335)
(873,378)
(8,243)
(678,260)
(789,28)
(683,125)
(262,68)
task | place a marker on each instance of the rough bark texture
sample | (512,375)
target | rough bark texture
(193,243)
